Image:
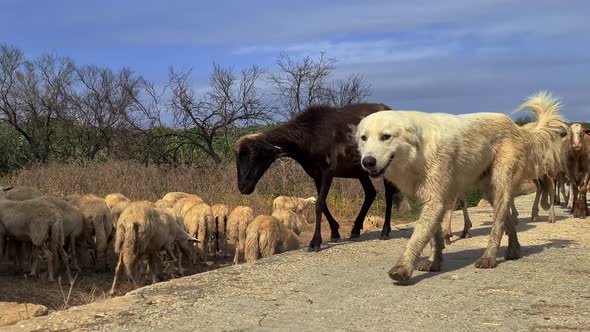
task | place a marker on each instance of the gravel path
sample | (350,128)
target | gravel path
(346,288)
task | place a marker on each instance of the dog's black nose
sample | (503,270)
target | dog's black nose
(369,162)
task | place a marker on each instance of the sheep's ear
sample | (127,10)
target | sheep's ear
(7,188)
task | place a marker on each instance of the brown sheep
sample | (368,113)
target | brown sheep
(198,221)
(295,204)
(165,204)
(182,206)
(220,213)
(290,219)
(237,223)
(143,231)
(267,236)
(98,222)
(176,195)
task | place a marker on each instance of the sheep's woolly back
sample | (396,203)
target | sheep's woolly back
(295,204)
(183,205)
(267,236)
(29,220)
(199,222)
(290,219)
(162,203)
(546,155)
(137,224)
(238,221)
(20,193)
(176,195)
(114,198)
(73,219)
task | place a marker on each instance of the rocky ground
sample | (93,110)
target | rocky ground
(345,287)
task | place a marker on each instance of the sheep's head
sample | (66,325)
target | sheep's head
(254,155)
(577,135)
(4,190)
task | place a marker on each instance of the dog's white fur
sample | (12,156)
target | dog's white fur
(434,157)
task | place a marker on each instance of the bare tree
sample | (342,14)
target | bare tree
(32,96)
(102,105)
(301,83)
(350,90)
(232,100)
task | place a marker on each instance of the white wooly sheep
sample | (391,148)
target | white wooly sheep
(73,226)
(267,236)
(290,219)
(177,235)
(19,193)
(434,157)
(39,222)
(220,213)
(295,204)
(144,231)
(116,202)
(237,223)
(98,223)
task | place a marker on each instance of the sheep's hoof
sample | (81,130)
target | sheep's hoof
(513,253)
(447,239)
(551,220)
(355,235)
(428,265)
(465,235)
(399,273)
(486,263)
(313,248)
(384,236)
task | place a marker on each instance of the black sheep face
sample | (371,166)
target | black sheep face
(253,157)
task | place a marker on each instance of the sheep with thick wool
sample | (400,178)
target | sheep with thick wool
(19,193)
(295,204)
(116,202)
(220,213)
(143,231)
(267,236)
(290,219)
(98,223)
(39,222)
(237,223)
(198,221)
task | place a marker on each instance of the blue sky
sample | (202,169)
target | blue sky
(453,56)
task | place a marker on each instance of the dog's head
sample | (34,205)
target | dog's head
(383,137)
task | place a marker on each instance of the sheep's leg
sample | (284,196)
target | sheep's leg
(466,220)
(173,258)
(513,251)
(153,265)
(370,194)
(426,227)
(392,194)
(557,184)
(49,257)
(36,252)
(433,262)
(117,272)
(447,232)
(74,254)
(334,226)
(323,189)
(513,212)
(573,193)
(535,211)
(66,260)
(552,203)
(2,240)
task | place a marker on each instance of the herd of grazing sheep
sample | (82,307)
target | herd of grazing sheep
(143,237)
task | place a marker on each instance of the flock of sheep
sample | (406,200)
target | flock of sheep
(64,231)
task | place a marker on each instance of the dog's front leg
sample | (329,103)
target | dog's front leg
(427,226)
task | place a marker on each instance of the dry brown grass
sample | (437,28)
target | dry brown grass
(216,185)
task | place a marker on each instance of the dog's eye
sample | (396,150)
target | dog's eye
(385,137)
(363,138)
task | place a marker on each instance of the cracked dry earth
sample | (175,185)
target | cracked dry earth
(345,287)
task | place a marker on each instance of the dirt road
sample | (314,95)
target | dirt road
(346,288)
